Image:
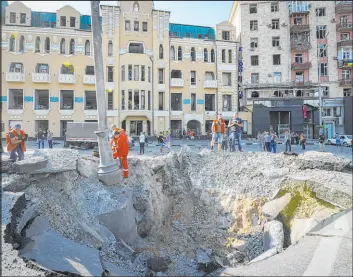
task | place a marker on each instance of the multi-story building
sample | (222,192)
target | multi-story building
(158,75)
(289,59)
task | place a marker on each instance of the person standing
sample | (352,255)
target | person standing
(322,142)
(168,141)
(237,123)
(50,139)
(142,143)
(261,140)
(16,146)
(338,140)
(218,131)
(273,145)
(120,146)
(287,140)
(302,141)
(40,138)
(161,141)
(268,142)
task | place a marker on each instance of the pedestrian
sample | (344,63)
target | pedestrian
(218,131)
(40,138)
(168,141)
(338,140)
(236,125)
(268,142)
(292,138)
(16,145)
(184,134)
(297,138)
(161,141)
(120,147)
(225,142)
(192,135)
(322,142)
(273,145)
(302,141)
(142,143)
(261,140)
(50,139)
(287,140)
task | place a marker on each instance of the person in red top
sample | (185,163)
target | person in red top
(120,146)
(15,143)
(218,131)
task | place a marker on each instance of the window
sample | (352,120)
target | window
(298,58)
(321,31)
(275,41)
(13,18)
(12,45)
(210,103)
(346,74)
(274,7)
(22,18)
(347,53)
(205,55)
(136,72)
(180,54)
(149,100)
(127,25)
(67,69)
(161,51)
(161,101)
(344,20)
(123,73)
(227,80)
(22,44)
(276,77)
(110,100)
(149,74)
(89,70)
(110,74)
(176,74)
(16,99)
(90,100)
(160,76)
(110,48)
(136,26)
(254,60)
(176,101)
(275,24)
(143,73)
(254,42)
(321,12)
(298,20)
(212,56)
(41,99)
(347,92)
(229,56)
(172,53)
(136,99)
(299,77)
(253,8)
(16,67)
(200,36)
(87,48)
(72,22)
(255,78)
(323,69)
(47,45)
(322,50)
(63,21)
(193,54)
(129,72)
(345,36)
(62,46)
(37,45)
(66,100)
(144,26)
(123,99)
(253,25)
(143,100)
(209,76)
(226,103)
(326,111)
(225,35)
(72,47)
(193,102)
(193,78)
(130,100)
(42,68)
(276,59)
(223,56)
(136,48)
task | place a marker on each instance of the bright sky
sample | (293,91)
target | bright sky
(204,13)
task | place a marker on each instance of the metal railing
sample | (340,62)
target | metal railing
(306,65)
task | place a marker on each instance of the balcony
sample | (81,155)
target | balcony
(40,77)
(299,28)
(176,82)
(89,79)
(299,7)
(343,43)
(344,26)
(346,82)
(345,63)
(67,79)
(301,83)
(210,84)
(300,66)
(300,46)
(344,7)
(15,77)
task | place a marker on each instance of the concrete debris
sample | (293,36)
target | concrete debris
(269,253)
(30,165)
(88,166)
(158,264)
(272,208)
(115,270)
(39,226)
(273,236)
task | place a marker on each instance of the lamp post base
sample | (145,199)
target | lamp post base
(110,175)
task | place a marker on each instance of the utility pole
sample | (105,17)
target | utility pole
(108,170)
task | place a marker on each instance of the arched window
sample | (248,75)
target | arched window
(67,69)
(180,54)
(278,93)
(12,44)
(72,47)
(47,45)
(212,56)
(62,46)
(136,48)
(205,55)
(87,48)
(254,94)
(172,53)
(22,44)
(193,55)
(161,51)
(37,45)
(110,48)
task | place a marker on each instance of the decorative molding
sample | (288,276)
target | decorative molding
(79,41)
(29,37)
(46,31)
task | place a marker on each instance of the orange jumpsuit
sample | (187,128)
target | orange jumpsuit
(121,150)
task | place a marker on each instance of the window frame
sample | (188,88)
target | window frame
(252,8)
(254,25)
(276,58)
(62,21)
(254,59)
(254,42)
(72,20)
(322,10)
(25,18)
(275,24)
(12,16)
(274,7)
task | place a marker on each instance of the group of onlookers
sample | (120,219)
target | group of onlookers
(41,136)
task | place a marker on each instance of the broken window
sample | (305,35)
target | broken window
(254,60)
(110,74)
(90,100)
(275,24)
(72,47)
(87,48)
(22,44)
(344,36)
(193,54)
(210,103)
(62,46)
(16,67)
(136,48)
(347,92)
(176,74)
(322,50)
(110,100)
(41,99)
(298,20)
(67,69)
(37,45)
(253,25)
(176,104)
(62,21)
(276,59)
(72,22)
(110,48)
(22,18)
(227,103)
(66,99)
(212,56)
(160,76)
(253,8)
(180,54)
(136,73)
(298,58)
(321,31)
(299,77)
(42,68)
(193,78)
(16,99)
(227,80)
(193,102)
(254,42)
(323,69)
(89,70)
(161,101)
(205,55)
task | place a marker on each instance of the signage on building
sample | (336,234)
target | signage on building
(78,99)
(3,98)
(186,101)
(200,101)
(54,99)
(28,99)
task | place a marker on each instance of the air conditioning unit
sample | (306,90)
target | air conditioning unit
(333,20)
(269,25)
(270,75)
(335,58)
(279,47)
(252,49)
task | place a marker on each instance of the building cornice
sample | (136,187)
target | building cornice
(47,31)
(190,41)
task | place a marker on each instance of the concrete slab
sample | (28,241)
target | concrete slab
(30,165)
(272,208)
(273,235)
(115,270)
(39,226)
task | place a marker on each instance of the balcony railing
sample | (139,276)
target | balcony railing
(299,28)
(177,82)
(344,26)
(345,63)
(300,46)
(67,79)
(89,79)
(344,6)
(15,77)
(40,77)
(306,65)
(301,83)
(346,82)
(343,43)
(210,84)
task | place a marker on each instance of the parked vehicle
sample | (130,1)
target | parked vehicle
(346,140)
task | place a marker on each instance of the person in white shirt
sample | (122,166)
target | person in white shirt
(142,143)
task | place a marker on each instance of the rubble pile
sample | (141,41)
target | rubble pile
(178,214)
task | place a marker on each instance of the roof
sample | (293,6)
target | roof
(193,31)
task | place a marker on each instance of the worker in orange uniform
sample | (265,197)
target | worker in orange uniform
(120,146)
(16,143)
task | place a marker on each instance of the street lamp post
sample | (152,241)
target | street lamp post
(108,170)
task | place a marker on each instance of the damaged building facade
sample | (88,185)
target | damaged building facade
(289,48)
(159,76)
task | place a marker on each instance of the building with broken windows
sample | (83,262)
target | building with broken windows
(289,48)
(159,76)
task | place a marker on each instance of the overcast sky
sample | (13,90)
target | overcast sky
(186,12)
